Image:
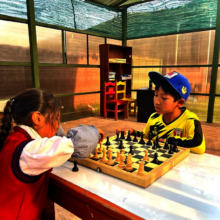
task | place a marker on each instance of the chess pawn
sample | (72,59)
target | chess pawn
(90,155)
(129,158)
(154,147)
(123,153)
(104,160)
(118,158)
(100,148)
(107,141)
(149,139)
(117,139)
(166,147)
(110,148)
(121,164)
(96,157)
(135,137)
(110,161)
(141,171)
(146,158)
(129,167)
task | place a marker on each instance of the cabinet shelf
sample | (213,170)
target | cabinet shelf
(109,51)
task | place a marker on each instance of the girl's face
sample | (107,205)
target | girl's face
(46,129)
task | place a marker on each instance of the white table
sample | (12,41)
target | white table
(191,190)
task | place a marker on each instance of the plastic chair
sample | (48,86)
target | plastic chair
(128,100)
(110,98)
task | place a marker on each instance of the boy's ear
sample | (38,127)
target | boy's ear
(37,118)
(181,102)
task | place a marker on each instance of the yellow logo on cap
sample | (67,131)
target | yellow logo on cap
(184,90)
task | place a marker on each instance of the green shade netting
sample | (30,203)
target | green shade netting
(163,17)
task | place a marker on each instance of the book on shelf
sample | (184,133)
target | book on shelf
(117,60)
(111,76)
(125,76)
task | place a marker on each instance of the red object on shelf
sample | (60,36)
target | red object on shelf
(110,98)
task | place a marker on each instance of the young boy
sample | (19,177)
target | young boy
(171,121)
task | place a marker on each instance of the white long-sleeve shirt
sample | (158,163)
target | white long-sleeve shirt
(42,154)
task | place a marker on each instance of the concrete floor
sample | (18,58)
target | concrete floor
(109,126)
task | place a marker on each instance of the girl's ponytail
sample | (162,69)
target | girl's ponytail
(6,121)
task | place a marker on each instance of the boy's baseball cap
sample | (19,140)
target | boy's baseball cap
(179,82)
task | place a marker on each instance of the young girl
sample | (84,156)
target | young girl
(28,154)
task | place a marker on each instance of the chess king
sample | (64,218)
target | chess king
(171,120)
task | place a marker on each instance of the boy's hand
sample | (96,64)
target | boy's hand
(102,135)
(125,130)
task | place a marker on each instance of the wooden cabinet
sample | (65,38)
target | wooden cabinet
(110,51)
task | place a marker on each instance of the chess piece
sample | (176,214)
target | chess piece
(135,137)
(110,161)
(121,146)
(170,150)
(104,160)
(123,154)
(75,168)
(117,139)
(100,148)
(141,171)
(109,149)
(166,147)
(142,138)
(131,150)
(130,159)
(175,148)
(121,164)
(128,136)
(122,135)
(157,142)
(96,157)
(107,141)
(128,166)
(149,138)
(118,158)
(154,147)
(155,160)
(90,155)
(146,158)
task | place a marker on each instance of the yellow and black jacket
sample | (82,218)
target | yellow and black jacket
(186,129)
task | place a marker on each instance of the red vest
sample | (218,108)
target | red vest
(21,196)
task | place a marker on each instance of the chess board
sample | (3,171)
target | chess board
(152,171)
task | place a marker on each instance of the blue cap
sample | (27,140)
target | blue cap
(179,82)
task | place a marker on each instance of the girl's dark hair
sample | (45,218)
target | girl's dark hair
(169,90)
(21,107)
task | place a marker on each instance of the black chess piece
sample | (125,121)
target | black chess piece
(154,147)
(149,138)
(142,138)
(107,141)
(135,137)
(175,148)
(75,168)
(131,150)
(155,160)
(122,135)
(121,146)
(170,150)
(128,136)
(166,147)
(117,139)
(157,142)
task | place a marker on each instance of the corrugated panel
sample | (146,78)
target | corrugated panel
(79,15)
(161,17)
(194,48)
(13,80)
(14,42)
(16,8)
(64,80)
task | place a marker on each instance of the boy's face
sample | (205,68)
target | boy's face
(164,103)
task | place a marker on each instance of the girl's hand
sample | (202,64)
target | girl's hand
(102,135)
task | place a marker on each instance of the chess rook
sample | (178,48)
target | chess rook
(122,135)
